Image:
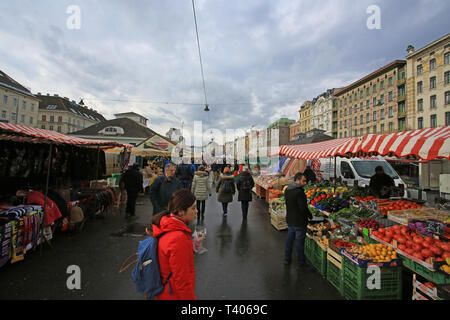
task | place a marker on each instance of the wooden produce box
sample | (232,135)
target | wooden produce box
(278,220)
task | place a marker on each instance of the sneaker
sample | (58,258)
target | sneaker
(225,214)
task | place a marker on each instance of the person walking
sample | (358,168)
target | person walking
(175,250)
(214,172)
(201,189)
(297,217)
(163,188)
(244,185)
(225,189)
(184,174)
(133,182)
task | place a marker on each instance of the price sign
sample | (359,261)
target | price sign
(366,232)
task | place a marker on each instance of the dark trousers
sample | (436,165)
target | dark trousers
(244,206)
(225,207)
(201,208)
(298,234)
(131,203)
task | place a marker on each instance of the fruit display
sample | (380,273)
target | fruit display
(379,252)
(397,205)
(411,242)
(342,244)
(370,224)
(446,267)
(330,204)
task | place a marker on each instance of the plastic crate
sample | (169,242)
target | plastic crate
(308,247)
(436,277)
(319,259)
(355,283)
(334,270)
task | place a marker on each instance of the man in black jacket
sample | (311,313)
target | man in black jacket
(133,184)
(185,174)
(244,185)
(297,217)
(163,188)
(380,183)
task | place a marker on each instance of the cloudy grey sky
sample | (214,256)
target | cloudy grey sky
(262,58)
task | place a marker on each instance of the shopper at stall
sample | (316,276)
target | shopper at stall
(297,217)
(244,185)
(133,183)
(225,189)
(201,189)
(310,175)
(175,253)
(380,183)
(163,188)
(215,172)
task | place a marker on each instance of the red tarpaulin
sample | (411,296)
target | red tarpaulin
(426,144)
(19,133)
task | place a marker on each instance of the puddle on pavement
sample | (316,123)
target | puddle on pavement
(131,230)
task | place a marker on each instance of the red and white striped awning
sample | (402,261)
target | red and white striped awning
(19,133)
(320,150)
(426,144)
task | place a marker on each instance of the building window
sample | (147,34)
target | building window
(419,87)
(419,70)
(433,102)
(356,121)
(391,126)
(375,129)
(367,91)
(382,99)
(382,85)
(32,107)
(375,102)
(374,116)
(60,119)
(50,128)
(420,123)
(433,121)
(44,118)
(447,77)
(390,82)
(391,110)
(367,104)
(447,98)
(401,107)
(420,105)
(13,116)
(22,118)
(447,58)
(345,134)
(15,102)
(340,135)
(447,118)
(340,125)
(382,114)
(31,120)
(374,88)
(368,130)
(390,97)
(433,83)
(345,112)
(350,110)
(367,117)
(382,128)
(5,99)
(52,119)
(432,64)
(59,129)
(361,94)
(356,132)
(345,124)
(43,126)
(361,107)
(3,114)
(361,119)
(24,105)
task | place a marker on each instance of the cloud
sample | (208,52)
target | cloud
(262,59)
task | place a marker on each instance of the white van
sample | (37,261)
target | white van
(357,169)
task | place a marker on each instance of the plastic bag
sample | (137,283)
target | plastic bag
(198,238)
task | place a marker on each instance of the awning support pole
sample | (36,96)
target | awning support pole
(49,166)
(98,160)
(335,179)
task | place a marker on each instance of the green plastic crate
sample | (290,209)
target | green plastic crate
(319,259)
(308,248)
(435,277)
(355,283)
(335,276)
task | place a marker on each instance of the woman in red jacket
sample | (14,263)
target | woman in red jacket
(175,251)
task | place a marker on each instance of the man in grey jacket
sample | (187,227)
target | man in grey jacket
(163,188)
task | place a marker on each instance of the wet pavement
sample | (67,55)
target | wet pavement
(244,260)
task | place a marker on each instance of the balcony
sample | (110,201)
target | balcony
(401,82)
(401,97)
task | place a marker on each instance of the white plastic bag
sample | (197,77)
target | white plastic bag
(198,238)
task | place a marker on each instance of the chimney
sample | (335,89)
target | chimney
(410,49)
(55,95)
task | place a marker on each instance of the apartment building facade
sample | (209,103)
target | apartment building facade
(65,116)
(374,104)
(321,112)
(428,85)
(17,104)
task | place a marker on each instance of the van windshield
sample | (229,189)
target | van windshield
(366,169)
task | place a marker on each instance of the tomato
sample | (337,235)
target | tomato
(418,239)
(409,243)
(426,253)
(402,247)
(444,246)
(389,233)
(417,247)
(426,245)
(382,230)
(436,250)
(409,251)
(401,240)
(418,255)
(446,255)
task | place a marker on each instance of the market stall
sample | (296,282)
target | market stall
(361,231)
(46,184)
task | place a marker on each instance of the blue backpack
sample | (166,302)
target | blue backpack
(146,274)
